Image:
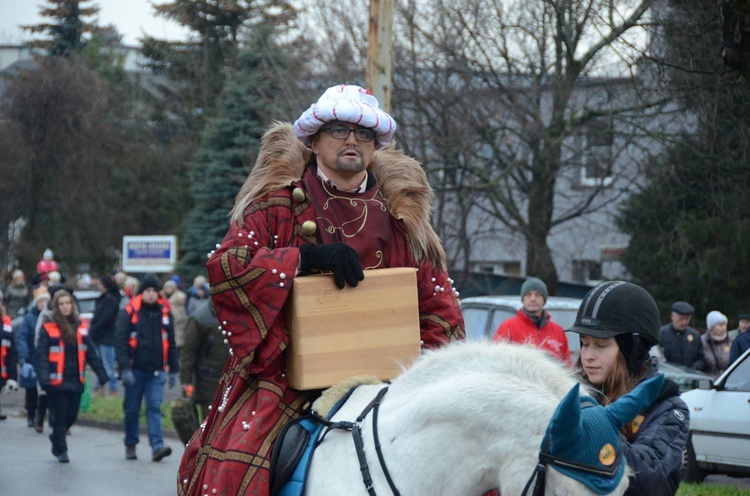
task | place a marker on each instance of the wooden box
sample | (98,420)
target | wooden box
(335,334)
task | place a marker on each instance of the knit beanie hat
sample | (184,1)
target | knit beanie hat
(715,317)
(534,284)
(148,281)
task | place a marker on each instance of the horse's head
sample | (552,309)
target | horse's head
(582,441)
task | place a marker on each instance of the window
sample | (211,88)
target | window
(739,379)
(586,270)
(512,267)
(475,322)
(596,153)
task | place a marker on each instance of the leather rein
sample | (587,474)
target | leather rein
(356,429)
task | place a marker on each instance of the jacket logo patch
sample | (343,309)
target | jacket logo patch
(679,415)
(607,455)
(636,424)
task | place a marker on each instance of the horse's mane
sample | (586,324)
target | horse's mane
(501,373)
(493,359)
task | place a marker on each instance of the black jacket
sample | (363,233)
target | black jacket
(148,355)
(682,347)
(71,381)
(102,330)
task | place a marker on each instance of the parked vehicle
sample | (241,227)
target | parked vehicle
(483,315)
(719,438)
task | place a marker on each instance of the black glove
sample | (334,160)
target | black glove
(338,258)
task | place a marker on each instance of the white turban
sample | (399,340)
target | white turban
(346,103)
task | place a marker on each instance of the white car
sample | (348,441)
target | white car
(719,438)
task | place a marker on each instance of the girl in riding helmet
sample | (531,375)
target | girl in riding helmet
(618,323)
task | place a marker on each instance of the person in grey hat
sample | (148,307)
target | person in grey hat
(681,343)
(533,325)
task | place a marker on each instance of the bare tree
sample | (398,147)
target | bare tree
(527,116)
(508,99)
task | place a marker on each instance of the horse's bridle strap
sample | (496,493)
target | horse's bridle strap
(583,467)
(356,430)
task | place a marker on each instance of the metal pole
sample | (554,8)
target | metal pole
(379,45)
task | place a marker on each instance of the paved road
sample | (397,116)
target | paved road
(97,462)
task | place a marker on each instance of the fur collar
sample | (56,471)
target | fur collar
(403,182)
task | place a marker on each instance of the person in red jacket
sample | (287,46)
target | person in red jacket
(533,325)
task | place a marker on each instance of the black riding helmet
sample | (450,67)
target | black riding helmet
(625,311)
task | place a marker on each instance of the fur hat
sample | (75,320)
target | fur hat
(347,103)
(534,284)
(715,317)
(148,281)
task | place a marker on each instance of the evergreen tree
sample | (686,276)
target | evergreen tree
(197,69)
(229,146)
(690,225)
(66,33)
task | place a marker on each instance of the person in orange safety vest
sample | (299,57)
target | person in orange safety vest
(63,349)
(7,356)
(147,357)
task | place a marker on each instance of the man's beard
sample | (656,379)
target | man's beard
(349,165)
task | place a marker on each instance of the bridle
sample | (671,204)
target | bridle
(539,473)
(545,458)
(356,429)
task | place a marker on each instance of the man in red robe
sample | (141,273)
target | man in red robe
(326,194)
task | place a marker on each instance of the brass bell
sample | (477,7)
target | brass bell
(299,195)
(309,227)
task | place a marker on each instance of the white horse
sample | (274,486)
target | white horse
(466,419)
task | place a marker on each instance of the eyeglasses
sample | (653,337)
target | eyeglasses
(362,134)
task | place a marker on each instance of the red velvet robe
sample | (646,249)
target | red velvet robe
(251,275)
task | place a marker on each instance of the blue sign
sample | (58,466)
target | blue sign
(149,253)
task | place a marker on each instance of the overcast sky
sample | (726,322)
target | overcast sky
(131,17)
